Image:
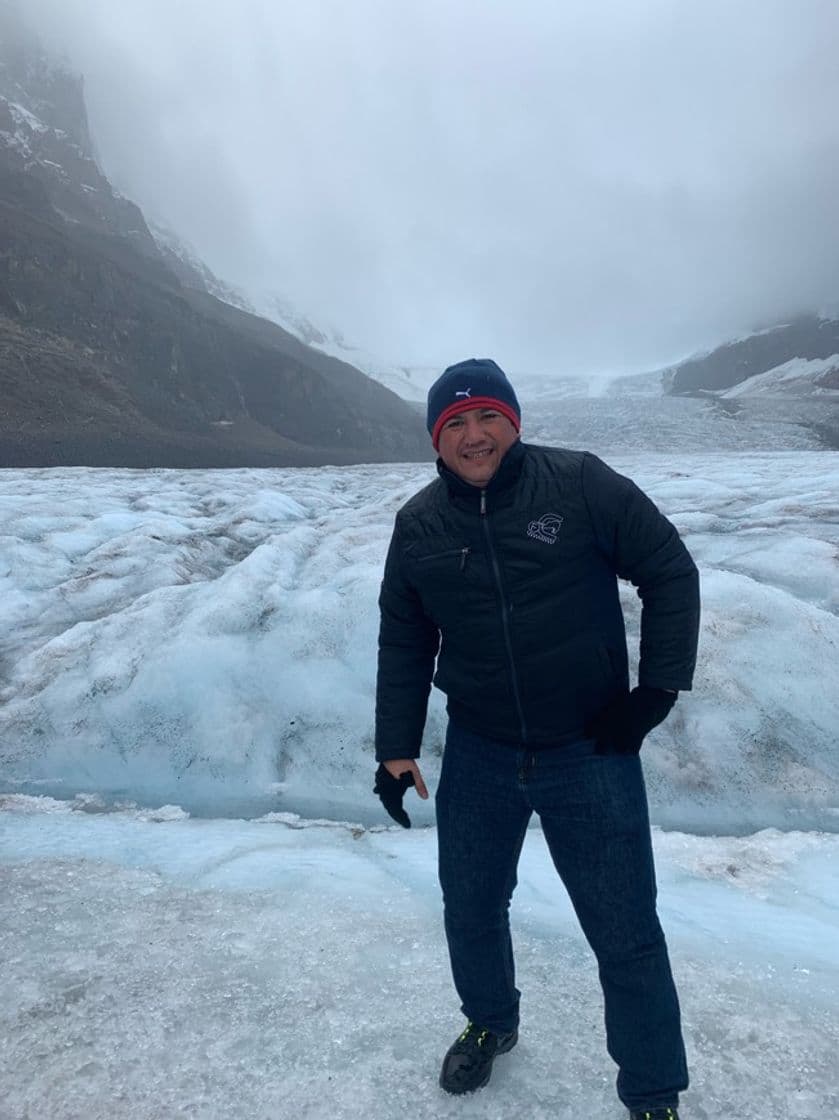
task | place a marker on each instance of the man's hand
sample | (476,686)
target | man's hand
(393,778)
(623,724)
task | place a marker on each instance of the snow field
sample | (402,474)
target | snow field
(208,638)
(163,966)
(204,643)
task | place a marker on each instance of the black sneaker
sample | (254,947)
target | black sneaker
(666,1113)
(468,1063)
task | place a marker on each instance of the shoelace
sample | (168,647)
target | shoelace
(470,1029)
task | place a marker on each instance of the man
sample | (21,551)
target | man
(504,572)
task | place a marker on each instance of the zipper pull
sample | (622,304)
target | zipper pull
(483,503)
(464,556)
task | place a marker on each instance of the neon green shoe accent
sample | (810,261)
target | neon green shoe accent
(482,1036)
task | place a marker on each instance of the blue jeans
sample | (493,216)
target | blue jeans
(593,810)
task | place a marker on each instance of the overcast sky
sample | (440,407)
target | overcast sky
(571,186)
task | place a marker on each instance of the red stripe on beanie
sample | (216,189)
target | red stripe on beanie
(470,403)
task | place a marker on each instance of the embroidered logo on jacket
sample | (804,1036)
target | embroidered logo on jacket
(546,528)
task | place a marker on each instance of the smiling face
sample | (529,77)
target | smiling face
(473,443)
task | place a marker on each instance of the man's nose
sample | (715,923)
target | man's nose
(473,429)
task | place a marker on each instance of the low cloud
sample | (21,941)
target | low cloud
(575,188)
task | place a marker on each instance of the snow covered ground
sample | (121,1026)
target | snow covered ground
(156,967)
(206,641)
(798,375)
(208,638)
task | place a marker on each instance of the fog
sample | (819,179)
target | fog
(574,188)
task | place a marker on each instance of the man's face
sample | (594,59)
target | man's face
(473,443)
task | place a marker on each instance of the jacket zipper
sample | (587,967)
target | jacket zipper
(505,618)
(463,553)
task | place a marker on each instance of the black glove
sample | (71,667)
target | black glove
(391,791)
(622,725)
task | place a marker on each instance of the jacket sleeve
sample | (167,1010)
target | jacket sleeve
(408,644)
(644,547)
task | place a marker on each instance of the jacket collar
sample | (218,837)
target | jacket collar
(497,489)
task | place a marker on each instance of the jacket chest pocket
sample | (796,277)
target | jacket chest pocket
(446,558)
(451,582)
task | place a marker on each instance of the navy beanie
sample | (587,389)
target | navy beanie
(476,383)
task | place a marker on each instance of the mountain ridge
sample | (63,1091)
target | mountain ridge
(109,355)
(811,338)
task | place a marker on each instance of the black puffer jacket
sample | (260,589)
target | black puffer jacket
(517,586)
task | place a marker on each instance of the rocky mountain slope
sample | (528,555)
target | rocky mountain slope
(801,357)
(114,353)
